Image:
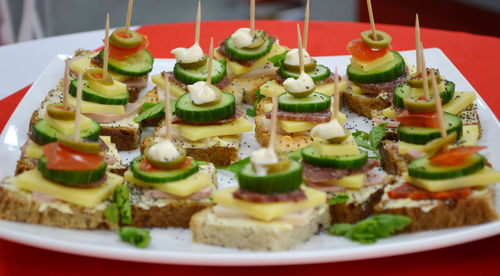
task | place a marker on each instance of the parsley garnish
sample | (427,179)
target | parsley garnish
(252,112)
(338,199)
(370,141)
(136,236)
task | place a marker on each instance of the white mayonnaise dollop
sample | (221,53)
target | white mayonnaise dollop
(263,156)
(188,55)
(164,151)
(200,92)
(328,130)
(242,38)
(292,57)
(303,83)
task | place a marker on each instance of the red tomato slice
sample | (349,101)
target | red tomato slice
(148,167)
(117,52)
(360,50)
(62,158)
(418,119)
(408,190)
(455,156)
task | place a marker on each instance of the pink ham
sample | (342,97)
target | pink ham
(238,113)
(43,197)
(391,123)
(413,154)
(316,117)
(136,83)
(372,178)
(103,118)
(200,194)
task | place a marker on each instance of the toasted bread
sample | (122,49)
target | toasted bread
(362,104)
(285,143)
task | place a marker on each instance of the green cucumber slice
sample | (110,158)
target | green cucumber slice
(383,73)
(190,76)
(320,73)
(312,156)
(248,53)
(162,176)
(71,177)
(424,169)
(274,183)
(316,102)
(136,65)
(403,91)
(188,111)
(91,95)
(422,135)
(42,133)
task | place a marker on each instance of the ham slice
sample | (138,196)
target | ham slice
(321,174)
(103,118)
(316,117)
(200,194)
(43,197)
(372,179)
(373,89)
(413,154)
(238,113)
(248,196)
(391,123)
(138,83)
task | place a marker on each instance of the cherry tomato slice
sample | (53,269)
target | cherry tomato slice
(117,52)
(146,166)
(361,51)
(408,190)
(62,158)
(455,156)
(418,119)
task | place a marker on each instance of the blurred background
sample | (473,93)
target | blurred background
(22,20)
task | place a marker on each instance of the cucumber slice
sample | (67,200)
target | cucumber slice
(136,65)
(71,177)
(248,53)
(186,110)
(423,168)
(320,73)
(42,133)
(162,176)
(383,73)
(90,95)
(273,183)
(403,91)
(312,156)
(422,135)
(316,102)
(191,76)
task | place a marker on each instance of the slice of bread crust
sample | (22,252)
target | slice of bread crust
(363,105)
(20,206)
(477,208)
(285,143)
(391,161)
(353,211)
(255,235)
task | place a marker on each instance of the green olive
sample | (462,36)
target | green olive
(340,139)
(97,75)
(167,164)
(310,67)
(438,144)
(80,145)
(302,94)
(417,80)
(419,104)
(383,39)
(218,96)
(259,38)
(127,40)
(58,112)
(282,165)
(196,64)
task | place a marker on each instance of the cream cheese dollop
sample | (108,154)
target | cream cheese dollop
(188,55)
(242,38)
(200,92)
(164,151)
(328,130)
(263,156)
(292,57)
(303,83)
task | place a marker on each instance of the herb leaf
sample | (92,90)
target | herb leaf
(371,228)
(136,236)
(374,137)
(121,198)
(338,199)
(236,166)
(277,60)
(361,134)
(377,134)
(152,110)
(252,112)
(111,212)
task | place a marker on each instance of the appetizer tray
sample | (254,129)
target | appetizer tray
(174,246)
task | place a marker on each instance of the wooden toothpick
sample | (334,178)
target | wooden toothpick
(106,50)
(65,83)
(168,118)
(210,58)
(77,108)
(439,108)
(372,21)
(301,55)
(424,67)
(198,23)
(274,121)
(417,46)
(306,25)
(336,94)
(252,17)
(129,15)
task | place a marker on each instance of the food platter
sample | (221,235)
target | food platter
(174,246)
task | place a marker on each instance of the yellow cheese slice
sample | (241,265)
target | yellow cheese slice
(327,88)
(459,102)
(486,176)
(389,112)
(348,147)
(83,64)
(89,197)
(67,127)
(194,133)
(271,88)
(175,90)
(33,150)
(90,107)
(356,89)
(354,181)
(106,140)
(117,88)
(269,211)
(182,188)
(369,65)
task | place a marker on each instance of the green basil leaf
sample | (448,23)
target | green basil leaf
(377,134)
(252,112)
(122,200)
(136,236)
(361,134)
(277,60)
(338,199)
(152,111)
(111,213)
(236,166)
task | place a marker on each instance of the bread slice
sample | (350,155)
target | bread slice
(391,161)
(18,205)
(363,105)
(359,206)
(155,212)
(478,207)
(255,235)
(247,86)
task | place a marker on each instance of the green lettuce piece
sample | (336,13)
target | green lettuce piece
(252,112)
(136,236)
(122,201)
(338,199)
(277,60)
(111,212)
(152,111)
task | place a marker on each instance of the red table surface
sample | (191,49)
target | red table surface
(474,55)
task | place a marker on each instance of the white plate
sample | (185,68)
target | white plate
(174,245)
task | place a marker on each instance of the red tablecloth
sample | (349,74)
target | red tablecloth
(475,56)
